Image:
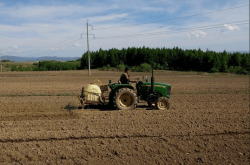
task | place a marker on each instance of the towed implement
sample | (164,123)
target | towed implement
(125,96)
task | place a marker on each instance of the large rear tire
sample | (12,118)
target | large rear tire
(125,99)
(162,103)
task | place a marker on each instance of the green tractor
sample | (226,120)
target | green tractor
(125,96)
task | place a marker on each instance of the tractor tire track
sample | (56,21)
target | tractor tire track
(121,137)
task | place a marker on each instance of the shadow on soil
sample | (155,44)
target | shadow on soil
(102,107)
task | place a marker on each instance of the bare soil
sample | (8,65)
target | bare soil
(207,123)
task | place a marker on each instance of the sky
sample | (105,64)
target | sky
(32,28)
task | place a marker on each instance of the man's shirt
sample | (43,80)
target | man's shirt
(124,79)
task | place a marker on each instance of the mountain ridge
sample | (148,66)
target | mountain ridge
(35,59)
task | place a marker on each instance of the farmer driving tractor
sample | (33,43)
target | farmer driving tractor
(125,96)
(124,79)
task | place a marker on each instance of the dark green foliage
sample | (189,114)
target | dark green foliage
(136,69)
(107,67)
(121,67)
(146,67)
(238,70)
(21,68)
(168,59)
(214,70)
(5,61)
(56,65)
(48,66)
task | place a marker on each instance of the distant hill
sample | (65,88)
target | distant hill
(34,59)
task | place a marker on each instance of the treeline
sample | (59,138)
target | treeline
(49,66)
(5,61)
(175,59)
(57,65)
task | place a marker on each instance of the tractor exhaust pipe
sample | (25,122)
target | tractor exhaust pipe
(152,82)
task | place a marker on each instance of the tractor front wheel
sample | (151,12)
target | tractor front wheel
(162,103)
(125,99)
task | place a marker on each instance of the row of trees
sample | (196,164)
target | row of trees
(57,65)
(170,59)
(21,68)
(5,61)
(49,66)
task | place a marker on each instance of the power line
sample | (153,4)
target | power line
(170,32)
(173,18)
(57,47)
(52,51)
(48,51)
(60,46)
(69,42)
(41,49)
(47,45)
(51,45)
(176,31)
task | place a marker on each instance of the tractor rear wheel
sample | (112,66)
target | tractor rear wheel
(162,103)
(125,99)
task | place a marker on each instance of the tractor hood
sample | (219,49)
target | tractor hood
(161,88)
(156,84)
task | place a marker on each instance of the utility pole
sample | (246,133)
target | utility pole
(88,46)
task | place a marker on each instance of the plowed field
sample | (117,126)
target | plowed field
(207,123)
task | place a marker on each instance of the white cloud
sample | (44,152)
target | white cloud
(107,18)
(231,27)
(9,49)
(15,47)
(155,9)
(57,49)
(169,9)
(47,11)
(172,9)
(228,27)
(77,44)
(64,47)
(196,34)
(40,26)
